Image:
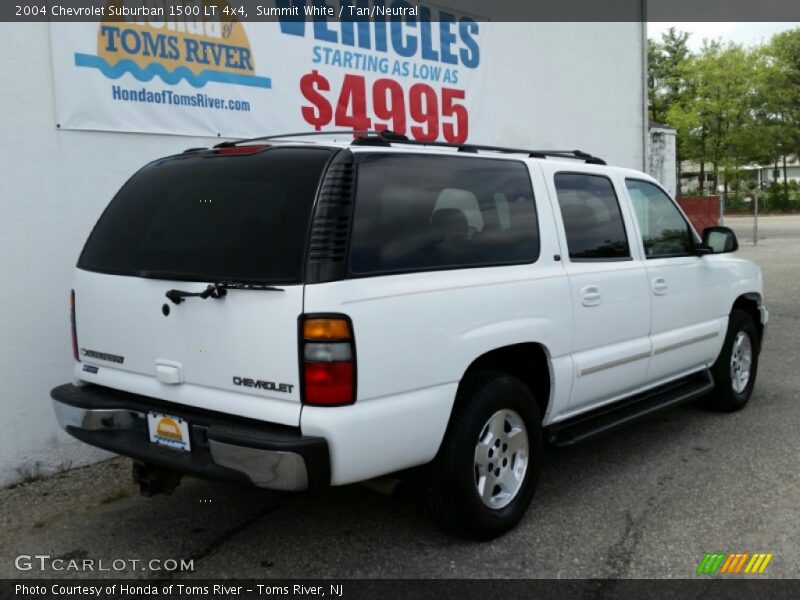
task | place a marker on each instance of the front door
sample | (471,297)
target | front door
(688,290)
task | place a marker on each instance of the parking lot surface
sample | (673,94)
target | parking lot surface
(647,501)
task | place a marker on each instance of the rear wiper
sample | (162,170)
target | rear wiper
(212,291)
(218,290)
(238,285)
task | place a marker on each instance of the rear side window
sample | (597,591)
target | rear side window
(592,219)
(426,212)
(211,218)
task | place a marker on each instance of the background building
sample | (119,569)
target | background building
(759,176)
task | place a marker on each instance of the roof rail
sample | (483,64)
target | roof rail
(366,132)
(386,138)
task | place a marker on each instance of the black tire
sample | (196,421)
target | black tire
(724,397)
(451,489)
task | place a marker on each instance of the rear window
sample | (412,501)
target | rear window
(427,212)
(592,218)
(237,218)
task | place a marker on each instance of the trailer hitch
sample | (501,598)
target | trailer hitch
(152,479)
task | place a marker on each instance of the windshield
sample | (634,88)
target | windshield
(206,217)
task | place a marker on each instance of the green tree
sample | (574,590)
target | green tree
(781,99)
(715,117)
(731,106)
(665,83)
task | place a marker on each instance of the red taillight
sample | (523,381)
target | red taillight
(329,384)
(72,323)
(328,361)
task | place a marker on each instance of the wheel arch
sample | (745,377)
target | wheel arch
(751,304)
(528,361)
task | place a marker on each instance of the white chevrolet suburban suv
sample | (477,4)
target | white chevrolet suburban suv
(297,314)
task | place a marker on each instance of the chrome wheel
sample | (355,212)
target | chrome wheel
(741,361)
(501,458)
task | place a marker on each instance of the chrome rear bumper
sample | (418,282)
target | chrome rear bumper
(220,449)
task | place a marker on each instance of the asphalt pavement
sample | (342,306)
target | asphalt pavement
(647,501)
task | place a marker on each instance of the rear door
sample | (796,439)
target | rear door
(239,217)
(608,282)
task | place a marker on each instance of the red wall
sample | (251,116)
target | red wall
(703,211)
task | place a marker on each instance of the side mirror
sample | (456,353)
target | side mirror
(720,240)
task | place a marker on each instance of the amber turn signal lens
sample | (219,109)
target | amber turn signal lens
(326,329)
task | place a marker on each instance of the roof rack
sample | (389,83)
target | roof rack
(299,134)
(387,138)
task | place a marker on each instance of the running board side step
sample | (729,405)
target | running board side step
(607,418)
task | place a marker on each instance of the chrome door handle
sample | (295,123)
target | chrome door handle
(590,295)
(660,286)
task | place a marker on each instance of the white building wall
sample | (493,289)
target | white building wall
(564,85)
(571,86)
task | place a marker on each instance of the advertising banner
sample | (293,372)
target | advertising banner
(201,68)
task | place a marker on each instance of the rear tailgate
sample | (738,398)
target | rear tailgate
(236,354)
(184,223)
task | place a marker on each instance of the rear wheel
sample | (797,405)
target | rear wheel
(484,477)
(737,365)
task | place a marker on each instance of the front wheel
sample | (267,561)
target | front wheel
(736,367)
(483,478)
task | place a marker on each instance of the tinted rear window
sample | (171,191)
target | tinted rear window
(592,219)
(211,218)
(427,212)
